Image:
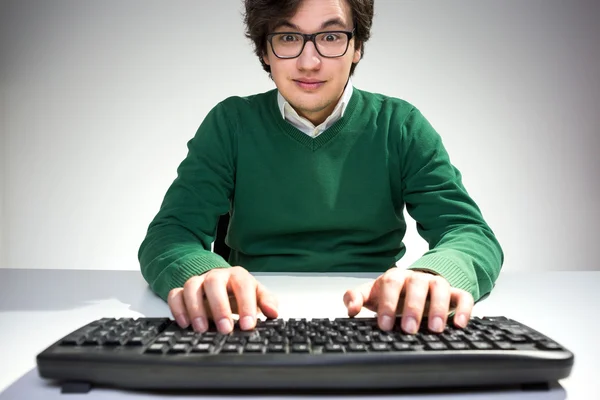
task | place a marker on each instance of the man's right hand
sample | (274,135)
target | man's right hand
(216,295)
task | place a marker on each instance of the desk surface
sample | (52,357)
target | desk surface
(38,307)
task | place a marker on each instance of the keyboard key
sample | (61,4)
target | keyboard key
(378,346)
(503,345)
(458,345)
(334,348)
(179,348)
(357,347)
(482,345)
(156,348)
(401,346)
(546,345)
(300,348)
(276,348)
(230,348)
(254,348)
(202,348)
(436,346)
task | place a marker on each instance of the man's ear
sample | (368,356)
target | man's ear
(266,58)
(357,55)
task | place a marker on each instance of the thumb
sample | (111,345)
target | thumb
(267,302)
(355,299)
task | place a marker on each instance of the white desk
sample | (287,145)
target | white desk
(38,307)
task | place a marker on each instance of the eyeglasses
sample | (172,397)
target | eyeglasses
(330,44)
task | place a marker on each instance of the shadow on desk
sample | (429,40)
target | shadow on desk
(32,387)
(51,290)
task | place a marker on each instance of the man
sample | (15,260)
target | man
(315,175)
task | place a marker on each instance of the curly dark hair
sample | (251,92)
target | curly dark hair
(262,15)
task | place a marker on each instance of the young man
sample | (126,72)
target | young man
(315,175)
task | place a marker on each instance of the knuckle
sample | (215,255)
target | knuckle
(438,282)
(412,307)
(236,270)
(387,307)
(389,279)
(211,277)
(173,294)
(190,283)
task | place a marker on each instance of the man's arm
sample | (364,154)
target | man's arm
(462,247)
(178,240)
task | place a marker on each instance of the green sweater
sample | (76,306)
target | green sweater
(333,203)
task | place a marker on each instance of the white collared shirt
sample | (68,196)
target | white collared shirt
(303,124)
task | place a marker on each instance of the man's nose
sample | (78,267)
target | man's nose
(310,57)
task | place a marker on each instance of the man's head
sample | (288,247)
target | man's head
(313,80)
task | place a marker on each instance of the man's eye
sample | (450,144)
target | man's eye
(331,37)
(288,38)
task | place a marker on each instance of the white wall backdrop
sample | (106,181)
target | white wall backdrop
(99,98)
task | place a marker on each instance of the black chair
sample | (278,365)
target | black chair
(219,245)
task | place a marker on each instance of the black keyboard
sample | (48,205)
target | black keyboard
(313,354)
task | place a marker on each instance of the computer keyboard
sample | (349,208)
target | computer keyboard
(314,354)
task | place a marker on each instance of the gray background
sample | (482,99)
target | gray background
(98,100)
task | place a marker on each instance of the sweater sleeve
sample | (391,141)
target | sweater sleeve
(178,241)
(462,247)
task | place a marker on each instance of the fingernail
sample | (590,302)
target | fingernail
(436,324)
(182,321)
(409,324)
(247,322)
(350,304)
(387,323)
(199,324)
(224,325)
(460,320)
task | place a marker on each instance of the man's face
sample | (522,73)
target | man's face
(313,84)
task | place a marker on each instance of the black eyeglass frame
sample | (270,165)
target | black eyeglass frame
(310,37)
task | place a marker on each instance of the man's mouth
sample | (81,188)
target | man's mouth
(309,84)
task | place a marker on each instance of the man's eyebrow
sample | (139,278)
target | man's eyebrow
(333,22)
(330,22)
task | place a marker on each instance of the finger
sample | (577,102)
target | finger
(439,301)
(193,298)
(215,288)
(355,299)
(416,287)
(464,306)
(267,302)
(177,307)
(388,288)
(243,286)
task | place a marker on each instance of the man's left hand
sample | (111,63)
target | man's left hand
(406,292)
